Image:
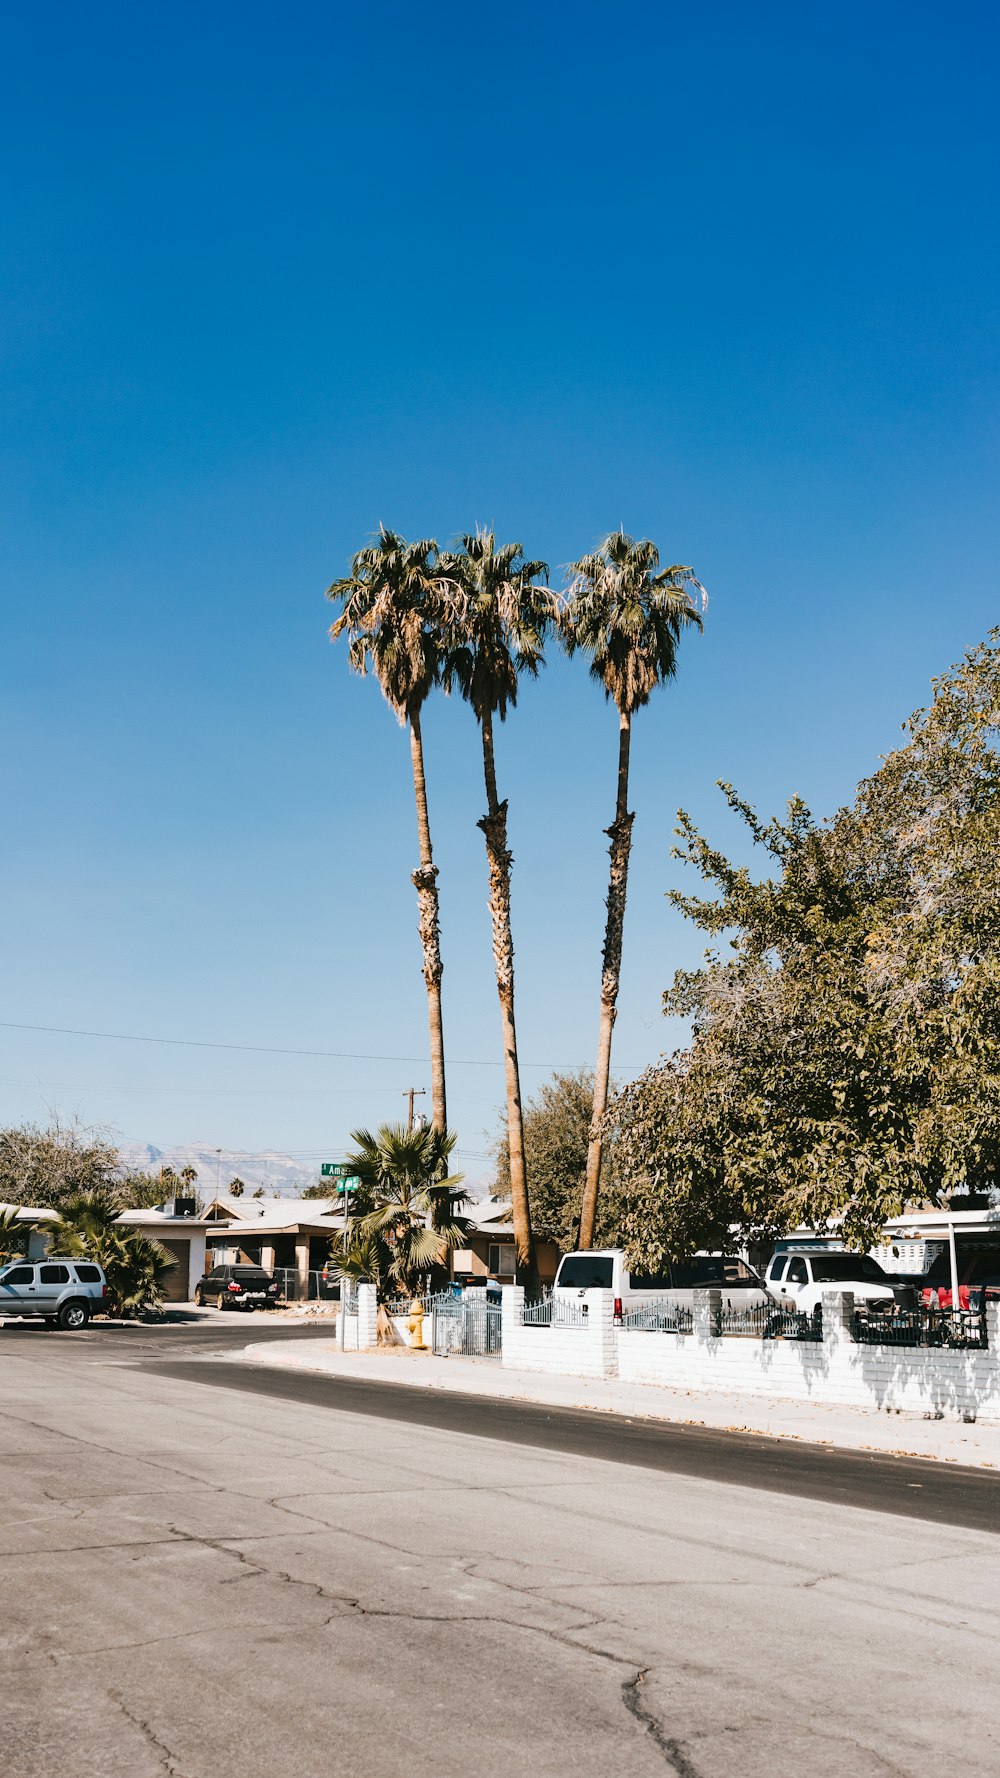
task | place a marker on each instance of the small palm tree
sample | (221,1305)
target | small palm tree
(12,1233)
(627,613)
(497,634)
(135,1267)
(410,1206)
(393,607)
(363,1262)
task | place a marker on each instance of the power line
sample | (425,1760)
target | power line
(261,1049)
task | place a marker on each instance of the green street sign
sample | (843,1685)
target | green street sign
(336,1170)
(348,1185)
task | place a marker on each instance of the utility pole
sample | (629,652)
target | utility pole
(410,1094)
(218,1170)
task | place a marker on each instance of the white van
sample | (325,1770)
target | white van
(604,1268)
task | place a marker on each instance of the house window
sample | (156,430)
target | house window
(503,1259)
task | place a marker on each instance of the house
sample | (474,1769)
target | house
(183,1235)
(489,1250)
(31,1238)
(294,1237)
(291,1236)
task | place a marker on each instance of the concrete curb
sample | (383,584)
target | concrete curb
(895,1434)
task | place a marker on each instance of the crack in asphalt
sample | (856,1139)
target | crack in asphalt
(249,1556)
(350,1605)
(671,1749)
(167,1758)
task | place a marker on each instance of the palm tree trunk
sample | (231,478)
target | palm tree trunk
(499,860)
(425,883)
(620,835)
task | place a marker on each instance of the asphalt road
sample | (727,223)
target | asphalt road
(207,1567)
(120,1340)
(910,1486)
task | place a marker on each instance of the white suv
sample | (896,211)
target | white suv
(798,1280)
(66,1291)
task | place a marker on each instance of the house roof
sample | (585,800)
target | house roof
(930,1223)
(490,1217)
(270,1216)
(155,1217)
(276,1216)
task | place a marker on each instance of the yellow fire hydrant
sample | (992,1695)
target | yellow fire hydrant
(415,1323)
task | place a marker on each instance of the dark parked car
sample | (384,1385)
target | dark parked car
(238,1287)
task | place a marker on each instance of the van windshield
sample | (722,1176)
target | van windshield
(586,1271)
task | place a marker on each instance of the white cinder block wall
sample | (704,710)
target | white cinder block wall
(917,1379)
(361,1327)
(587,1351)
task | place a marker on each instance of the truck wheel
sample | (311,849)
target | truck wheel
(73,1315)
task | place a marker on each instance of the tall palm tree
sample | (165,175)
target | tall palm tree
(410,1205)
(497,634)
(393,606)
(627,613)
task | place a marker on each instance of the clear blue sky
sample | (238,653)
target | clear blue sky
(725,275)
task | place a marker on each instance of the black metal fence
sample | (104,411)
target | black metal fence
(768,1322)
(659,1315)
(963,1328)
(765,1322)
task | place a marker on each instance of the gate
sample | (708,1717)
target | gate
(465,1329)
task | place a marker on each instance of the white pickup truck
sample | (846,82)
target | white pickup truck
(797,1280)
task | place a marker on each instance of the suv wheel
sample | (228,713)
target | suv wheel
(222,1300)
(73,1315)
(199,1298)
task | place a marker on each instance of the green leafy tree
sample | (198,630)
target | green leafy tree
(394,607)
(45,1165)
(407,1205)
(236,1188)
(135,1267)
(628,614)
(498,635)
(557,1122)
(845,1058)
(322,1190)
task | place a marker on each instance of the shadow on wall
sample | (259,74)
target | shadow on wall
(937,1379)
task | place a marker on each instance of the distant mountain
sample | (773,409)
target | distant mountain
(279,1174)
